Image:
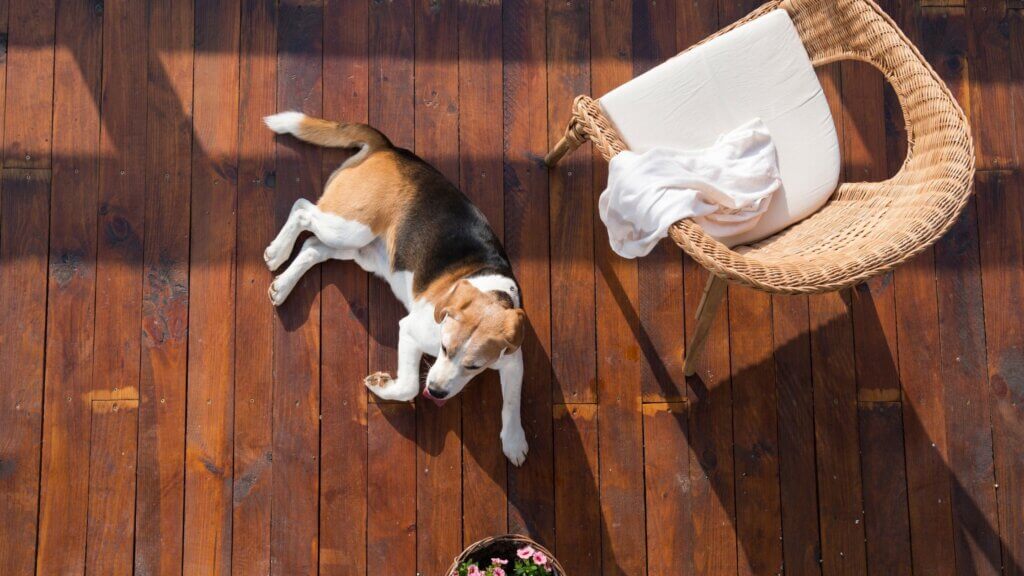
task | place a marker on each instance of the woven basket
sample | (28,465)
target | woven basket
(866,228)
(514,540)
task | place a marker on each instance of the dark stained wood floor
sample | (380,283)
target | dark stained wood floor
(158,416)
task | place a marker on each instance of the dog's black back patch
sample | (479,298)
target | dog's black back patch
(442,230)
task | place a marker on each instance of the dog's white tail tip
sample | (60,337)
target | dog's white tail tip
(284,122)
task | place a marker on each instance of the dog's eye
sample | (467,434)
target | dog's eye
(473,367)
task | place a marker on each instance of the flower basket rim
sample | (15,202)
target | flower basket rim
(511,537)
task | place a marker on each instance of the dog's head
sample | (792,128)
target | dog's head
(477,329)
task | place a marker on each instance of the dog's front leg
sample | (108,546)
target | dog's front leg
(513,438)
(407,385)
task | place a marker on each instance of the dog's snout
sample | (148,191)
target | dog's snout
(436,393)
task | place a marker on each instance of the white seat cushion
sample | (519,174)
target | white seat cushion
(759,70)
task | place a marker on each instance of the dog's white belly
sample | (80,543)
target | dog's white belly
(374,259)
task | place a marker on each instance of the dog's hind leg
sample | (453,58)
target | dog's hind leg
(312,253)
(332,230)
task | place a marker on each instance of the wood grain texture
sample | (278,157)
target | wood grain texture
(122,199)
(530,486)
(71,299)
(164,353)
(24,208)
(1001,228)
(571,221)
(343,304)
(209,462)
(578,519)
(755,432)
(667,487)
(29,110)
(798,490)
(886,518)
(993,119)
(391,493)
(112,477)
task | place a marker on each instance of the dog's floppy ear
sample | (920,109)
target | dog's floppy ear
(514,329)
(456,299)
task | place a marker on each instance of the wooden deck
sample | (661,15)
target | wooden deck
(159,416)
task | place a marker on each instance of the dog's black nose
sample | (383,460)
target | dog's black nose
(439,394)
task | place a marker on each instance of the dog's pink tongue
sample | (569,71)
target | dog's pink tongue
(440,402)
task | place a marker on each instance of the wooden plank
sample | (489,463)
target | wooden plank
(211,347)
(122,200)
(343,448)
(886,521)
(29,109)
(4,49)
(254,323)
(666,481)
(71,299)
(755,432)
(660,293)
(485,511)
(578,520)
(161,460)
(968,418)
(530,486)
(620,429)
(391,493)
(24,205)
(296,397)
(572,211)
(962,354)
(841,508)
(992,115)
(439,466)
(1000,200)
(801,543)
(112,468)
(711,438)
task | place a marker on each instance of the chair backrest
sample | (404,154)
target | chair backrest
(939,140)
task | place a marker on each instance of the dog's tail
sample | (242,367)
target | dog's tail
(327,133)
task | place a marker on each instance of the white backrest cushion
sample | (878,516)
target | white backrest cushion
(758,70)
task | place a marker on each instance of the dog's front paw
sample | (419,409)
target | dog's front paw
(514,445)
(387,388)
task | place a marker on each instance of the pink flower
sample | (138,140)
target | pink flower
(499,561)
(474,570)
(525,552)
(497,571)
(539,558)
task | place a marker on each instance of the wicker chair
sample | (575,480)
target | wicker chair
(866,228)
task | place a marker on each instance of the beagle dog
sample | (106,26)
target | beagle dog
(399,218)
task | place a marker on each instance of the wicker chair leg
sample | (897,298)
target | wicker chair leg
(714,291)
(570,142)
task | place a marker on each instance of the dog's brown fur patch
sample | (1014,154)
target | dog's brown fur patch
(376,192)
